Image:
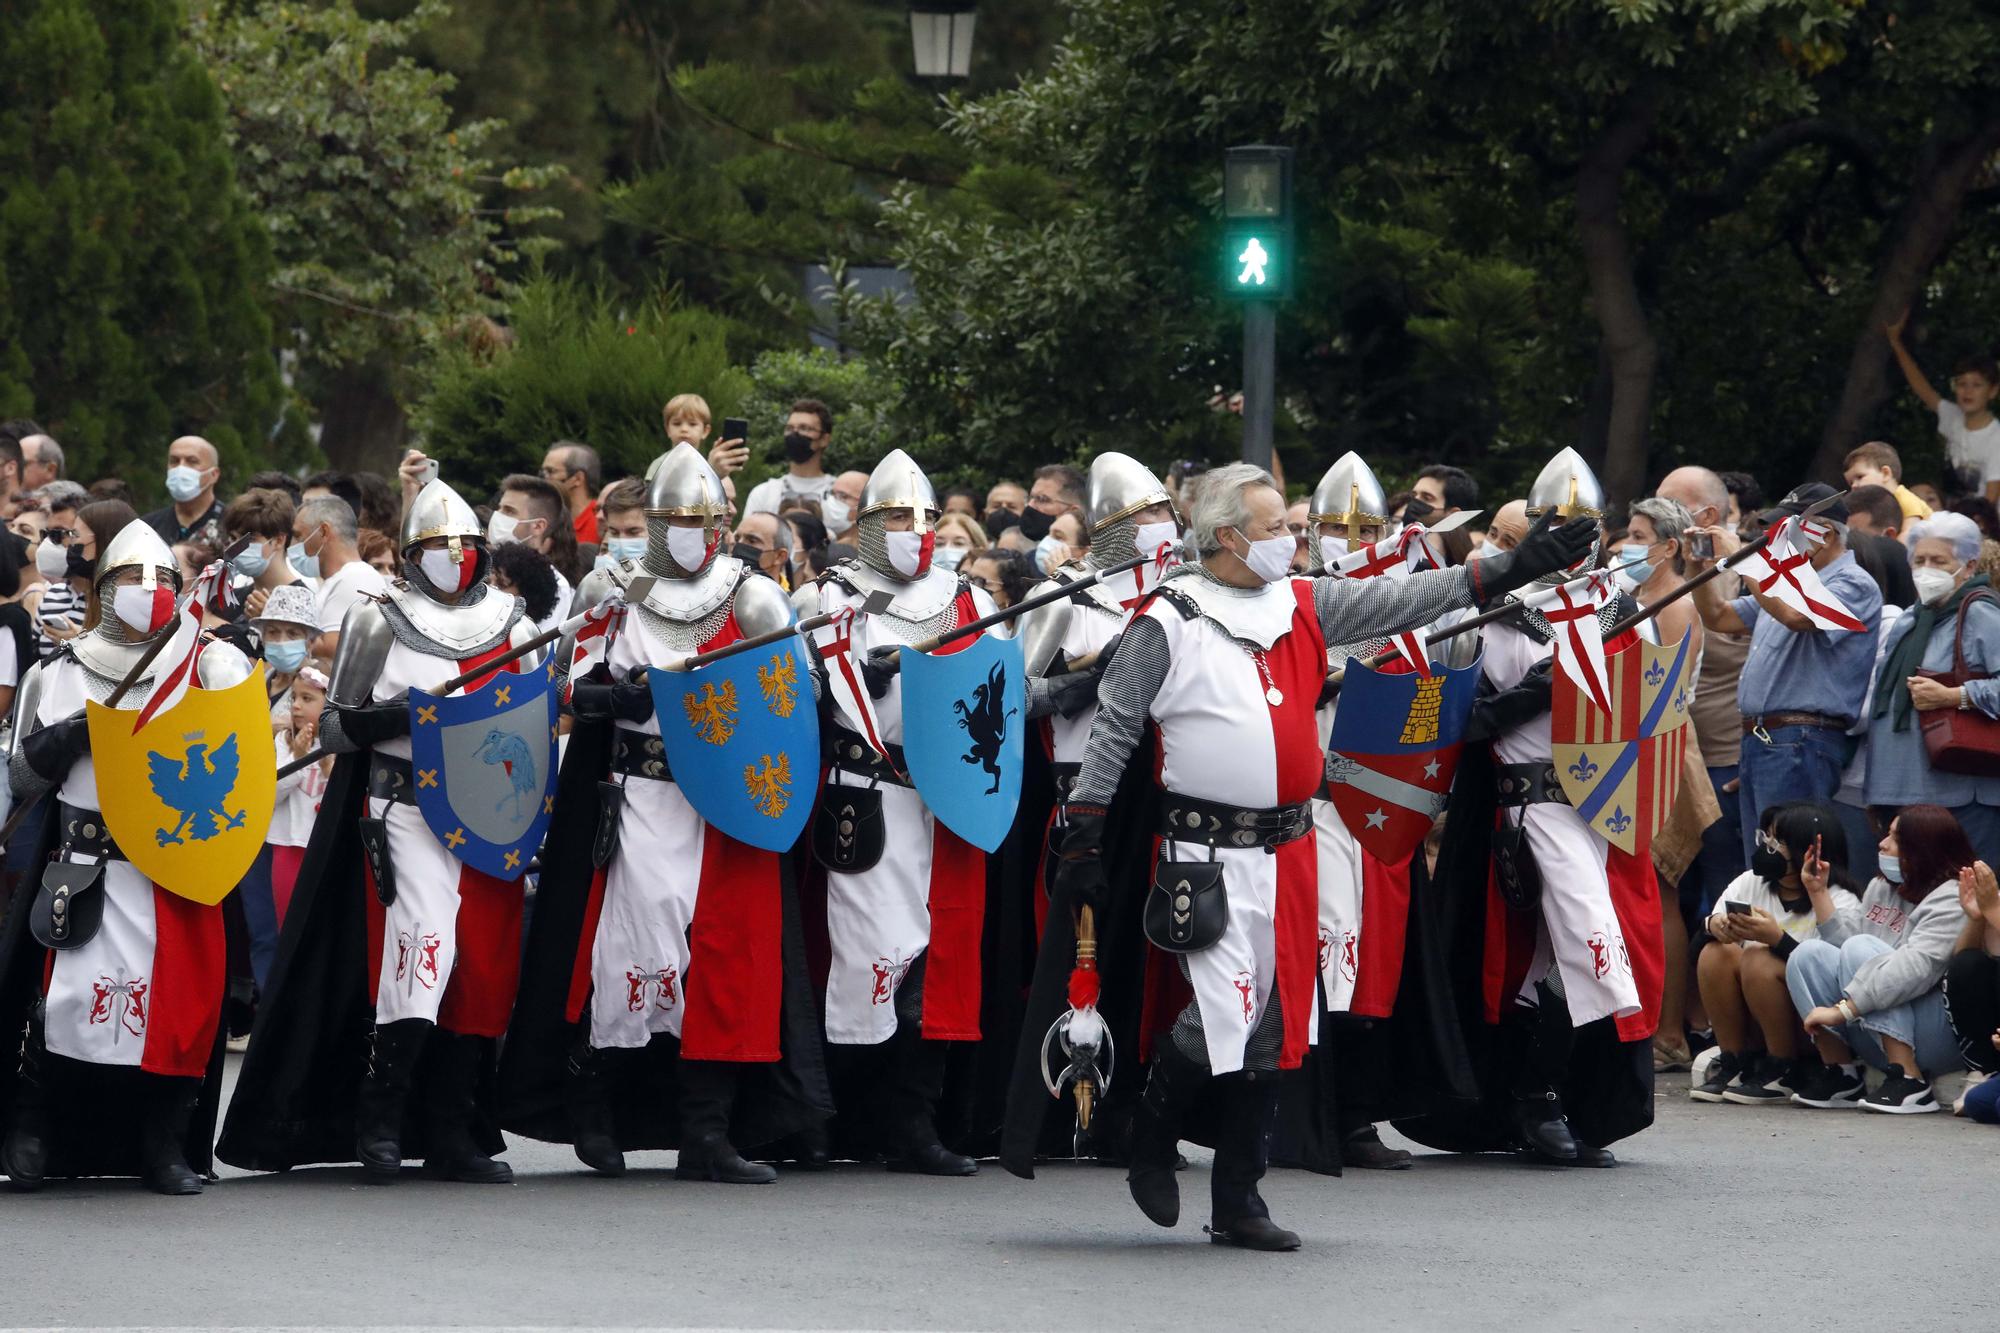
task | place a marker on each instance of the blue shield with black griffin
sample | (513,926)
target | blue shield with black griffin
(742,740)
(964,713)
(484,767)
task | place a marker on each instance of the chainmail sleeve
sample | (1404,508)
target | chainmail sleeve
(1124,698)
(1354,609)
(27,784)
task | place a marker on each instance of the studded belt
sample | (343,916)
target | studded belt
(1065,779)
(389,779)
(1214,824)
(1531,784)
(84,835)
(638,754)
(849,751)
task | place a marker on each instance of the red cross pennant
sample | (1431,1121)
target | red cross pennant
(836,648)
(1397,557)
(1783,572)
(1571,610)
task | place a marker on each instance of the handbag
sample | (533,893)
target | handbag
(69,907)
(848,835)
(1961,740)
(1186,908)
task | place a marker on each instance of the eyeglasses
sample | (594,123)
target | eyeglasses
(60,536)
(1769,843)
(984,585)
(555,474)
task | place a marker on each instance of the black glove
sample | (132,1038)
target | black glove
(1104,654)
(626,700)
(371,724)
(1073,692)
(1548,547)
(52,749)
(881,667)
(1504,710)
(1080,875)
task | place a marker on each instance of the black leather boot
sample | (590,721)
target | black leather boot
(916,1083)
(169,1106)
(592,1130)
(1364,1148)
(1546,1038)
(378,1131)
(1238,1215)
(1172,1085)
(708,1094)
(452,1091)
(25,1155)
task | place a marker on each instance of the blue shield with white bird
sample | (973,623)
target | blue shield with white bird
(742,741)
(964,716)
(483,764)
(188,796)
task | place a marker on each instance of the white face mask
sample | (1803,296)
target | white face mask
(836,513)
(688,547)
(52,558)
(1331,550)
(1148,538)
(910,552)
(444,575)
(1271,558)
(1933,585)
(951,557)
(501,529)
(146,610)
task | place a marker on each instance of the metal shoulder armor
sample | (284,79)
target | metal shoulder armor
(597,585)
(27,702)
(1041,632)
(761,606)
(806,600)
(365,636)
(524,630)
(222,665)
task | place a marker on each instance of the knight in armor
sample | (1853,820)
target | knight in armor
(905,897)
(113,987)
(436,957)
(1225,662)
(1567,939)
(663,951)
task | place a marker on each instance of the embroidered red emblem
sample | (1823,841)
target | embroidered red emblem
(121,1002)
(417,958)
(1349,964)
(888,976)
(1246,986)
(659,984)
(1600,954)
(1325,948)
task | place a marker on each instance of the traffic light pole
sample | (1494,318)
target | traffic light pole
(1260,339)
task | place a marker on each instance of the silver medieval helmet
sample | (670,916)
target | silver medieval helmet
(135,546)
(896,483)
(683,486)
(440,511)
(1568,486)
(1348,494)
(1120,486)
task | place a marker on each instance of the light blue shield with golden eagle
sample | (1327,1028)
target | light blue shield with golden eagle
(484,767)
(742,740)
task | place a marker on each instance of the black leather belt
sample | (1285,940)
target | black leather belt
(1531,784)
(1214,824)
(1065,778)
(389,779)
(639,755)
(84,835)
(849,751)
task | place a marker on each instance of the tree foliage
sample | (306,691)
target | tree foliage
(132,270)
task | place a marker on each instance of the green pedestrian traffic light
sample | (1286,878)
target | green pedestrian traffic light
(1257,222)
(1257,261)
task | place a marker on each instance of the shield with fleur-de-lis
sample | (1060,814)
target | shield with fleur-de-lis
(1622,769)
(742,739)
(484,767)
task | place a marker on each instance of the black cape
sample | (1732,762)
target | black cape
(295,1096)
(94,1117)
(773,1101)
(1608,1093)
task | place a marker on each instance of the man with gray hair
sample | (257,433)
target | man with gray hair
(41,461)
(324,533)
(1225,663)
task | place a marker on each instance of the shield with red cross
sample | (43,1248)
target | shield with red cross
(1621,769)
(483,765)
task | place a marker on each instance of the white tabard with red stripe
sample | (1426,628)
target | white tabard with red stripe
(878,922)
(1339,889)
(1222,739)
(1580,929)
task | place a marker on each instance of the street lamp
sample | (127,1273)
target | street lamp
(941,31)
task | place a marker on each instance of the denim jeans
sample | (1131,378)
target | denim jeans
(1817,974)
(1721,859)
(1796,764)
(260,916)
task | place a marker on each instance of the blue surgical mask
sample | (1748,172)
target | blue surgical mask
(251,562)
(286,657)
(305,566)
(183,483)
(1891,866)
(1638,573)
(949,557)
(625,548)
(1048,551)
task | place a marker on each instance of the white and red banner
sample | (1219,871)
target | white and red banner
(1783,572)
(1571,609)
(1397,557)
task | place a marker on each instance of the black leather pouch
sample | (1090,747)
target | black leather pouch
(375,846)
(1514,869)
(69,907)
(1187,908)
(611,809)
(847,829)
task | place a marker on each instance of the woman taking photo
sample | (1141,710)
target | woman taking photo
(1870,988)
(1943,552)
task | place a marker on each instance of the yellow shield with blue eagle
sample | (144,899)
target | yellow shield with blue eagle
(188,797)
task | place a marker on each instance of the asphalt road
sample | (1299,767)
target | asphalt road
(1720,1216)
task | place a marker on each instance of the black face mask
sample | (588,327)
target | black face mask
(798,448)
(1768,865)
(80,565)
(1416,511)
(1035,524)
